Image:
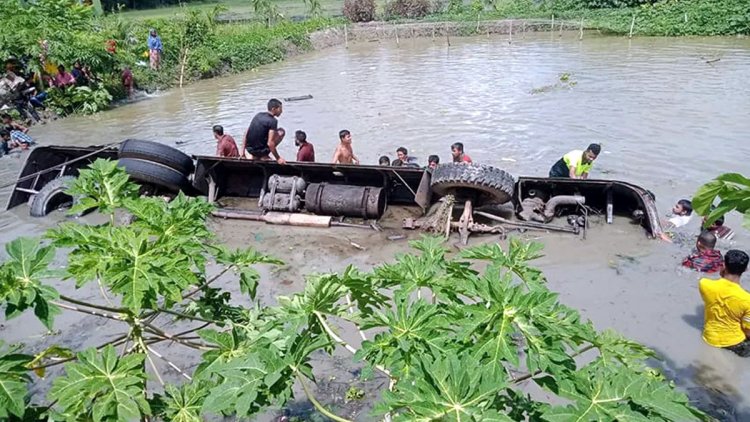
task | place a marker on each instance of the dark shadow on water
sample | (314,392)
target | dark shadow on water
(705,386)
(695,320)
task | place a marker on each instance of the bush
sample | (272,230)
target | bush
(359,10)
(407,8)
(610,4)
(79,99)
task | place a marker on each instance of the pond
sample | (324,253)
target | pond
(670,113)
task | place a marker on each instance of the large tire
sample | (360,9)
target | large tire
(488,184)
(51,196)
(158,153)
(145,171)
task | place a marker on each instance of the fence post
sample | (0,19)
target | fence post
(346,37)
(580,36)
(510,32)
(632,25)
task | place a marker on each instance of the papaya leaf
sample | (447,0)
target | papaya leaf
(13,379)
(453,388)
(735,178)
(103,387)
(21,278)
(705,196)
(242,379)
(50,352)
(102,185)
(606,392)
(183,403)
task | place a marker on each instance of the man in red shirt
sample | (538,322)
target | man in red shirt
(457,150)
(706,259)
(306,152)
(225,145)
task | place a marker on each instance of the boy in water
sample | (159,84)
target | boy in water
(682,212)
(706,259)
(433,161)
(344,153)
(718,228)
(459,156)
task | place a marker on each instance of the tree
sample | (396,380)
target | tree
(455,341)
(733,192)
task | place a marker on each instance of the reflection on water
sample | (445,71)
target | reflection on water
(667,120)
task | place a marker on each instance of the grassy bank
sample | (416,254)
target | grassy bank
(663,18)
(199,43)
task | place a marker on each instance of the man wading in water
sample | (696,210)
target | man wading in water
(261,138)
(576,164)
(727,306)
(344,153)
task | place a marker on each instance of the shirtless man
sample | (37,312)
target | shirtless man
(344,153)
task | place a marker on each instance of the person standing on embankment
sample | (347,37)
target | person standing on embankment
(154,49)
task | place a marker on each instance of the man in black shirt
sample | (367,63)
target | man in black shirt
(261,138)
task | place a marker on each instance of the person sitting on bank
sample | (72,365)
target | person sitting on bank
(727,306)
(306,152)
(706,259)
(261,139)
(344,153)
(9,124)
(576,164)
(14,139)
(682,212)
(63,78)
(459,156)
(225,144)
(384,161)
(718,228)
(433,161)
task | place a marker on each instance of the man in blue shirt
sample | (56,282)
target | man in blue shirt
(14,139)
(154,49)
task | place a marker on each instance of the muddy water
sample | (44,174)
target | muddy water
(667,119)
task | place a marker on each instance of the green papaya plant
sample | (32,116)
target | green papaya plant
(733,192)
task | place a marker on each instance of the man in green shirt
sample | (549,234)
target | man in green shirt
(576,164)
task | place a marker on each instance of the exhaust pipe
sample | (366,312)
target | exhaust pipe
(556,201)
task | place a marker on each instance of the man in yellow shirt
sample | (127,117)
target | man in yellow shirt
(727,306)
(576,164)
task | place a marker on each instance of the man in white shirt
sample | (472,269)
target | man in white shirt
(682,212)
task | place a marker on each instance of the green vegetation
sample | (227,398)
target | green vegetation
(666,17)
(195,46)
(733,193)
(198,45)
(457,336)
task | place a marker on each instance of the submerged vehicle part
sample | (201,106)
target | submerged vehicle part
(280,202)
(551,206)
(51,197)
(220,177)
(149,172)
(157,153)
(482,183)
(366,202)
